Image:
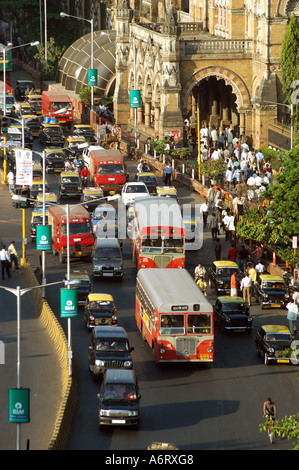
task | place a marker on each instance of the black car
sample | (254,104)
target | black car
(99,309)
(86,131)
(51,135)
(21,87)
(54,160)
(232,314)
(220,274)
(150,181)
(108,348)
(272,291)
(274,344)
(83,285)
(69,184)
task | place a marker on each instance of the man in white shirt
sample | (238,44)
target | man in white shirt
(204,209)
(246,288)
(5,262)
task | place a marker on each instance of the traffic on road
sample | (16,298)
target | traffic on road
(158,357)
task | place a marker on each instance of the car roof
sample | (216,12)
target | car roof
(224,264)
(230,299)
(120,376)
(100,296)
(107,242)
(69,173)
(109,331)
(275,329)
(270,277)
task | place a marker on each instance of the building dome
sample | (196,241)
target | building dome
(74,64)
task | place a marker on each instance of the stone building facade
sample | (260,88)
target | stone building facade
(200,59)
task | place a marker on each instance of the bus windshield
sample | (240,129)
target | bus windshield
(199,323)
(172,324)
(159,245)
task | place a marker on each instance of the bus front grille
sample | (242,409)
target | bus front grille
(186,346)
(162,261)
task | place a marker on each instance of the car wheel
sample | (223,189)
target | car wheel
(210,283)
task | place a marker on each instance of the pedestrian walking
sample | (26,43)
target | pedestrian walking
(232,253)
(12,252)
(168,174)
(246,288)
(242,259)
(5,262)
(233,284)
(213,225)
(204,209)
(11,180)
(218,249)
(292,316)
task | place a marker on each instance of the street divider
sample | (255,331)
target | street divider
(51,324)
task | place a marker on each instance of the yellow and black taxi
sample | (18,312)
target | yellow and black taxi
(274,345)
(21,109)
(167,191)
(50,199)
(51,135)
(219,276)
(75,146)
(86,131)
(231,313)
(272,291)
(36,189)
(37,171)
(54,160)
(37,219)
(69,184)
(100,309)
(91,198)
(35,102)
(82,282)
(33,124)
(150,181)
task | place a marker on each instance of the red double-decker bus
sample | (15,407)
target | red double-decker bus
(158,233)
(174,316)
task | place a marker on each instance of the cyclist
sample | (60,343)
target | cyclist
(269,409)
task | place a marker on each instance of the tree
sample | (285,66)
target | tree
(289,61)
(54,54)
(281,220)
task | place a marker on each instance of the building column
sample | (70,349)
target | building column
(147,113)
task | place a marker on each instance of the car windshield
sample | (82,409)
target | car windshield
(278,337)
(53,129)
(107,215)
(119,392)
(228,271)
(70,179)
(136,189)
(76,228)
(147,179)
(38,219)
(9,100)
(15,137)
(108,169)
(111,253)
(234,307)
(273,285)
(99,306)
(172,324)
(199,323)
(112,345)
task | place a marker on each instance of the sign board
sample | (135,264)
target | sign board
(135,101)
(68,302)
(92,77)
(23,167)
(294,242)
(43,237)
(19,405)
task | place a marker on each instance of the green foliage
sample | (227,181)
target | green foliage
(287,428)
(54,54)
(289,61)
(214,169)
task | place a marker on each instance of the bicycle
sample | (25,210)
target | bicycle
(269,424)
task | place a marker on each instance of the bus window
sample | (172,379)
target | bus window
(172,325)
(199,323)
(151,245)
(173,245)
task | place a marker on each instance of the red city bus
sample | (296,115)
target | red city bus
(174,316)
(158,233)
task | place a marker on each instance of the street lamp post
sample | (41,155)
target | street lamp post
(18,292)
(65,15)
(289,106)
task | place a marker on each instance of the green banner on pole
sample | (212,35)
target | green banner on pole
(43,237)
(68,302)
(92,77)
(135,101)
(19,405)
